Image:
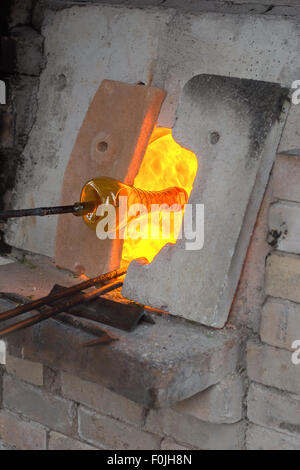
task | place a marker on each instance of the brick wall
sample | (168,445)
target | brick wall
(46,409)
(273,402)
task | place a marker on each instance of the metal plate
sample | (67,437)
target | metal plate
(123,316)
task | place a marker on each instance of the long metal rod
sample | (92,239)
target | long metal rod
(87,326)
(102,340)
(79,208)
(49,299)
(82,297)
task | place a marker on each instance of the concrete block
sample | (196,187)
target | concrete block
(273,367)
(242,45)
(59,441)
(97,397)
(29,50)
(231,180)
(274,409)
(28,371)
(280,323)
(24,95)
(20,12)
(260,438)
(221,403)
(6,129)
(39,13)
(284,226)
(103,431)
(54,412)
(9,160)
(7,55)
(286,176)
(194,432)
(283,276)
(170,444)
(23,435)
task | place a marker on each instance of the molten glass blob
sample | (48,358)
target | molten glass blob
(105,191)
(165,164)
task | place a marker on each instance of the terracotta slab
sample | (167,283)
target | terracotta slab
(111,142)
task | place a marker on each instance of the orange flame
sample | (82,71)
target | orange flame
(165,164)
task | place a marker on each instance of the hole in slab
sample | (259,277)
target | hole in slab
(102,146)
(214,137)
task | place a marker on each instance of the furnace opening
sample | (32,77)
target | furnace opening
(165,164)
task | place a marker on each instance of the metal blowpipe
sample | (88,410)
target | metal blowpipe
(105,190)
(79,208)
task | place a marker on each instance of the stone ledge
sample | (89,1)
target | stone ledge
(156,365)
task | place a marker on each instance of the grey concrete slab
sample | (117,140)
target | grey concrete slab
(187,279)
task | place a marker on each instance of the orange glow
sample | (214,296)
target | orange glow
(165,164)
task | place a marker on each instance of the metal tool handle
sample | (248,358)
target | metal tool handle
(79,209)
